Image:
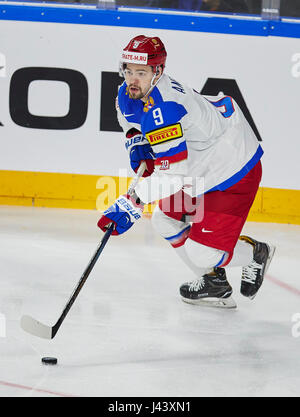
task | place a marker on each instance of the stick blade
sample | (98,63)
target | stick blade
(35,327)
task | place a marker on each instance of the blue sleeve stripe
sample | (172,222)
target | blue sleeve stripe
(173,151)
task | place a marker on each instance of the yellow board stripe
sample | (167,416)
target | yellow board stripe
(41,189)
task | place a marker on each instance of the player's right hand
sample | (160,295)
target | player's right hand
(123,213)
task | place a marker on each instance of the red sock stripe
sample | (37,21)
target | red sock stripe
(180,240)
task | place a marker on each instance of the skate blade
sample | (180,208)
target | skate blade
(272,249)
(212,302)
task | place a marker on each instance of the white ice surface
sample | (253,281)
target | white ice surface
(129,333)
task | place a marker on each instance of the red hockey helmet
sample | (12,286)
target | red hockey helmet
(146,51)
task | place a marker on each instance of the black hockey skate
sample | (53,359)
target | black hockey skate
(211,289)
(253,274)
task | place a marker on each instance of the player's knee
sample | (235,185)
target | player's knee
(165,225)
(204,256)
(174,231)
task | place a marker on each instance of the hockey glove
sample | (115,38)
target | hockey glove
(123,213)
(139,150)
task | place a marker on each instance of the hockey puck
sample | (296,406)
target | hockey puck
(49,361)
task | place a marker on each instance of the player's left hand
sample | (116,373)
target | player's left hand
(139,150)
(123,213)
(141,153)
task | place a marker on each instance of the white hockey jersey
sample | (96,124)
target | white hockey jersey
(201,143)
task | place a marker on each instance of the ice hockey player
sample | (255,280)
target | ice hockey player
(203,168)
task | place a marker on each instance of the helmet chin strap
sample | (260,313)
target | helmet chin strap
(152,84)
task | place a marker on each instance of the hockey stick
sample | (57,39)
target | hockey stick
(35,327)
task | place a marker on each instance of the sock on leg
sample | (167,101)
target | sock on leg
(242,255)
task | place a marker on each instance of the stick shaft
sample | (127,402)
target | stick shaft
(94,259)
(82,280)
(139,173)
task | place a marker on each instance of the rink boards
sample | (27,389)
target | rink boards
(59,77)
